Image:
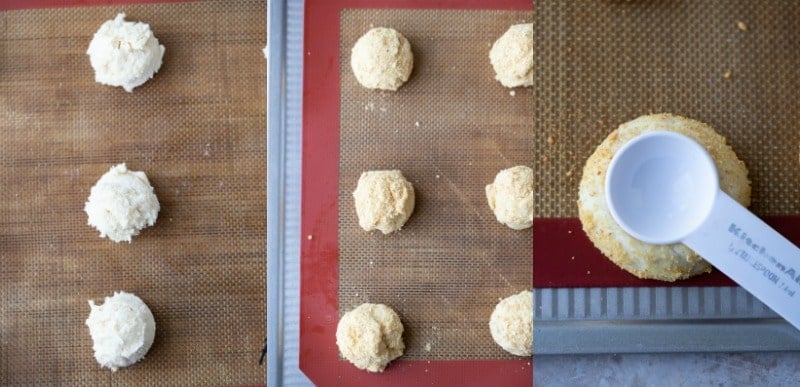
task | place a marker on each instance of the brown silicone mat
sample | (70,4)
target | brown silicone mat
(445,271)
(198,130)
(602,63)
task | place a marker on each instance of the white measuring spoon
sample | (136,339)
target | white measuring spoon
(662,187)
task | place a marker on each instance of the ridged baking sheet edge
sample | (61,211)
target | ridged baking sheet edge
(284,137)
(656,319)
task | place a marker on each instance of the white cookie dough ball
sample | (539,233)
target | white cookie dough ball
(124,53)
(121,204)
(511,197)
(384,200)
(511,324)
(370,336)
(122,329)
(512,56)
(382,59)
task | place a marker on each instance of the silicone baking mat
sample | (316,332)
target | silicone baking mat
(197,130)
(450,129)
(731,64)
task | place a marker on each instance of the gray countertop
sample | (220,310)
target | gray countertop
(669,369)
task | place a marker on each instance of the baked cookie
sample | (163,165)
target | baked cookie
(384,200)
(512,56)
(382,59)
(511,323)
(510,196)
(662,262)
(370,336)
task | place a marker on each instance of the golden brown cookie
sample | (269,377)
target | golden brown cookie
(662,262)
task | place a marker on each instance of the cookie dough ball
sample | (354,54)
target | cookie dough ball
(382,59)
(122,203)
(384,200)
(511,197)
(124,53)
(661,262)
(370,336)
(122,330)
(512,56)
(512,324)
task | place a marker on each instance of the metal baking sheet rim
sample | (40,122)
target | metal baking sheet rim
(705,331)
(656,320)
(661,336)
(284,135)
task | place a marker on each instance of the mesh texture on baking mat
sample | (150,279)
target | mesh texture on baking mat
(449,129)
(731,64)
(197,130)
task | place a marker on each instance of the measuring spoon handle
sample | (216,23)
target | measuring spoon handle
(751,253)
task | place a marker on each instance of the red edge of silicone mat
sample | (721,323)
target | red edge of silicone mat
(569,259)
(319,356)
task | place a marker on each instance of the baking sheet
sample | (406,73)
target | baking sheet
(325,119)
(575,327)
(197,130)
